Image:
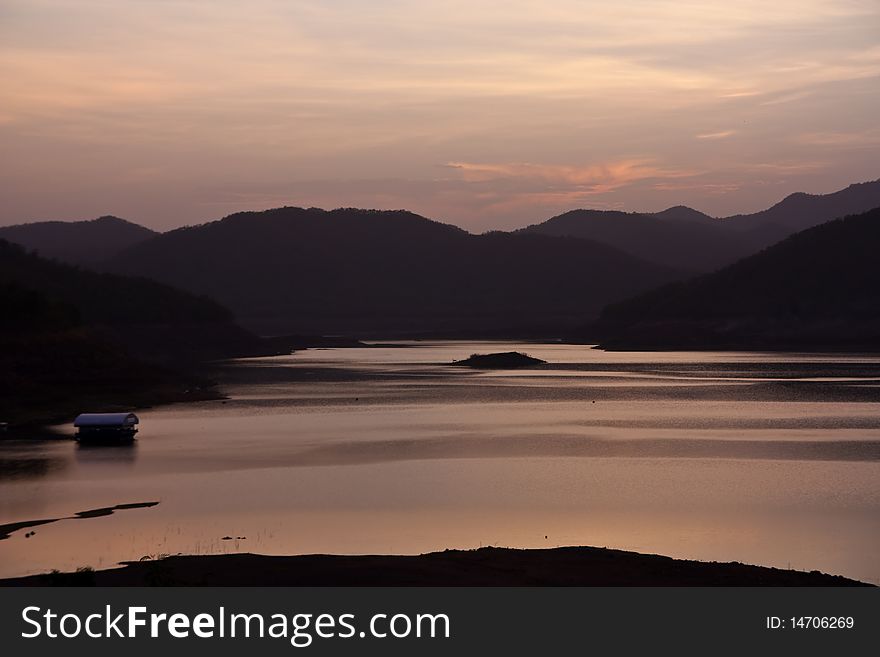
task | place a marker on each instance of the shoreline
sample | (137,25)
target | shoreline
(190,382)
(488,566)
(200,383)
(41,422)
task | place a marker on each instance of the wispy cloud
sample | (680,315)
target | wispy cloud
(530,189)
(532,102)
(740,94)
(594,178)
(780,99)
(861,139)
(717,135)
(790,167)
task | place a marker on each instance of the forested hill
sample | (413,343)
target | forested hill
(356,271)
(819,287)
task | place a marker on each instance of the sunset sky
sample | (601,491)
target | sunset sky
(486,114)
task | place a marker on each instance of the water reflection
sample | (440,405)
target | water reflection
(30,459)
(26,467)
(122,455)
(762,458)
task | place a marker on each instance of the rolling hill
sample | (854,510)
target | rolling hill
(819,288)
(71,337)
(666,238)
(363,271)
(800,211)
(309,271)
(148,319)
(685,214)
(685,238)
(77,242)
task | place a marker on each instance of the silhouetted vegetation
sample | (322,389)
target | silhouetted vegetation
(671,241)
(105,298)
(25,309)
(488,566)
(68,336)
(799,211)
(820,287)
(77,242)
(501,361)
(350,271)
(684,238)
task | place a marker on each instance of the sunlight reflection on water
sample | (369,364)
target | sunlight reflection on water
(762,458)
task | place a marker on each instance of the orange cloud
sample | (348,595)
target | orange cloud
(519,187)
(596,179)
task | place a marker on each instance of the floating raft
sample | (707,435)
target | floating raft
(106,427)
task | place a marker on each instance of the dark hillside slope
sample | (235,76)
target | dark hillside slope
(148,319)
(69,335)
(818,288)
(684,238)
(356,271)
(800,211)
(78,242)
(668,240)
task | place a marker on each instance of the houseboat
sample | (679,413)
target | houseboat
(106,427)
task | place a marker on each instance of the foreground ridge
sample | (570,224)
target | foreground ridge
(488,566)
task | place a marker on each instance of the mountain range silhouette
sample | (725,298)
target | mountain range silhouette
(369,272)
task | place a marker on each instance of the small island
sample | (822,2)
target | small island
(503,360)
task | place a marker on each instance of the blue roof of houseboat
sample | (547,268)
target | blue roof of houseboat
(105,419)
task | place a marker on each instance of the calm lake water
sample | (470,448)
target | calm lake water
(771,459)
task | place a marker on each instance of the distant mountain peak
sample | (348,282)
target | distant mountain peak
(112,218)
(349,218)
(800,210)
(683,213)
(815,289)
(867,183)
(350,270)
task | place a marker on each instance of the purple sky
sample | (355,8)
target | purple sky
(482,114)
